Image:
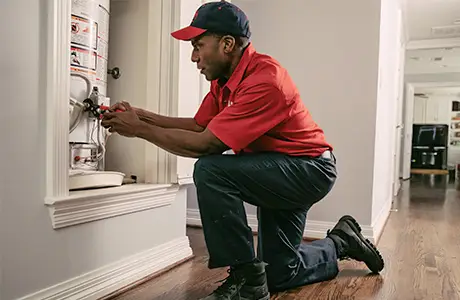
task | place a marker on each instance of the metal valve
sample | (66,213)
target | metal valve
(115,72)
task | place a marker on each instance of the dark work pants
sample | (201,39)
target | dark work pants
(283,188)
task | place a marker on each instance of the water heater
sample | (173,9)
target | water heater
(89,51)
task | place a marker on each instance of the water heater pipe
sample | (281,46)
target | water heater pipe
(78,107)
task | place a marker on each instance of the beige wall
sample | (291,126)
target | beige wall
(331,50)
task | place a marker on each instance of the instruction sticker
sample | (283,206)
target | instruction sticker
(87,8)
(101,73)
(90,74)
(103,50)
(83,58)
(84,32)
(104,18)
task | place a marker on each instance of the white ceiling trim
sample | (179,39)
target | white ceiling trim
(433,44)
(433,84)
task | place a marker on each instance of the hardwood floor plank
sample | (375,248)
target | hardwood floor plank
(420,245)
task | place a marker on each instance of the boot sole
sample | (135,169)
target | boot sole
(374,265)
(263,298)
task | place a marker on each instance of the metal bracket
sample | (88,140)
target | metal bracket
(115,72)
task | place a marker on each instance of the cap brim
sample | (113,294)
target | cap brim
(188,33)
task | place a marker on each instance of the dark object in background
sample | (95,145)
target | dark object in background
(429,146)
(455,105)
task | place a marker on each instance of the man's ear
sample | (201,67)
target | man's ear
(229,43)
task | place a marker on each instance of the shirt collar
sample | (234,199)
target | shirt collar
(240,69)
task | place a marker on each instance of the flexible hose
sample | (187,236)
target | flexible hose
(78,107)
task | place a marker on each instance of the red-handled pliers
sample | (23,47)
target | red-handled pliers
(103,109)
(107,108)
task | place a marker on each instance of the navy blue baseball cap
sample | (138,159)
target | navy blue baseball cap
(217,17)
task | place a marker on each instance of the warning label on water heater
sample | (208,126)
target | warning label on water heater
(89,40)
(84,32)
(83,58)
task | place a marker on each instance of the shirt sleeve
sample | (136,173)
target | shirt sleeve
(255,110)
(207,110)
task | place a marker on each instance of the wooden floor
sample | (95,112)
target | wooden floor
(420,244)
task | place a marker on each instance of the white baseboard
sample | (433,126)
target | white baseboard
(378,225)
(106,280)
(313,230)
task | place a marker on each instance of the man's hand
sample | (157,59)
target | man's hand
(125,123)
(151,118)
(188,143)
(122,106)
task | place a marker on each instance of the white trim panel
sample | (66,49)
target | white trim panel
(57,90)
(111,278)
(86,206)
(378,225)
(186,180)
(433,44)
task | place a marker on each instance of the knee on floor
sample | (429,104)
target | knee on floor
(287,276)
(279,274)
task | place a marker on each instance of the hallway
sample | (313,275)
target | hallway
(420,245)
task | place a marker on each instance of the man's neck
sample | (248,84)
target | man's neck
(235,61)
(223,80)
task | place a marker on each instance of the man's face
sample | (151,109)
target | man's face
(209,56)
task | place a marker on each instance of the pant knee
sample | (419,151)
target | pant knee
(286,276)
(201,170)
(278,275)
(207,169)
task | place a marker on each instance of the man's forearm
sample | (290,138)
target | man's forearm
(168,122)
(178,141)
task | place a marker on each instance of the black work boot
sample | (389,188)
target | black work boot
(245,282)
(350,243)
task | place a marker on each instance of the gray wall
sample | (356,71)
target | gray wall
(331,49)
(33,255)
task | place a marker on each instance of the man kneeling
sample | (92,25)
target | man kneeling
(282,163)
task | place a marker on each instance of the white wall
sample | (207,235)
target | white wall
(388,92)
(190,92)
(33,255)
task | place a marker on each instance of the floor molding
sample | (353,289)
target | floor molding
(378,225)
(313,230)
(109,279)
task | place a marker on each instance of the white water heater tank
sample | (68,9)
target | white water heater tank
(88,57)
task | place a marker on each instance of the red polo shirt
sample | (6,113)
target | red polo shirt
(259,109)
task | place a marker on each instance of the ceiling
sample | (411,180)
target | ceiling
(432,61)
(432,19)
(439,91)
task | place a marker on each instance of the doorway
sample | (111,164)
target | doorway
(431,139)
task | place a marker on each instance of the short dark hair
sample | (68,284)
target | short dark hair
(241,42)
